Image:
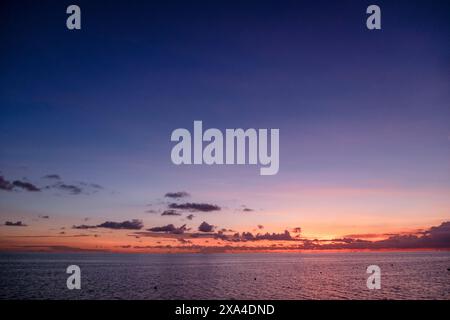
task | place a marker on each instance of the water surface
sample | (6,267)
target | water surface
(408,275)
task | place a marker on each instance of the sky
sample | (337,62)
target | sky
(87,115)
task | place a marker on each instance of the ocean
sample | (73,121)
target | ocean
(404,275)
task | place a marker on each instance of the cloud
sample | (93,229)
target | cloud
(134,224)
(83,226)
(9,186)
(177,195)
(170,228)
(58,236)
(260,226)
(274,236)
(247,210)
(82,187)
(437,237)
(203,207)
(52,176)
(365,235)
(15,224)
(26,186)
(72,189)
(76,188)
(190,217)
(170,212)
(44,217)
(5,184)
(205,227)
(96,186)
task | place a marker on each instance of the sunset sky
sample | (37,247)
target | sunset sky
(86,119)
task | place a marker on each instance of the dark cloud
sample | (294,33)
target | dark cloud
(244,236)
(9,186)
(52,176)
(75,189)
(170,228)
(435,237)
(134,224)
(151,211)
(365,235)
(83,226)
(248,236)
(177,195)
(5,184)
(44,217)
(26,186)
(190,217)
(167,228)
(203,207)
(260,226)
(170,212)
(15,224)
(247,210)
(205,227)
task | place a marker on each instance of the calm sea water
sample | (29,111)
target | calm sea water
(418,275)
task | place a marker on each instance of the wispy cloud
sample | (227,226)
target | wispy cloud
(248,236)
(70,188)
(52,177)
(84,226)
(17,184)
(58,184)
(15,224)
(57,248)
(5,184)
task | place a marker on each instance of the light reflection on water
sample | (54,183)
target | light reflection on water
(413,275)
